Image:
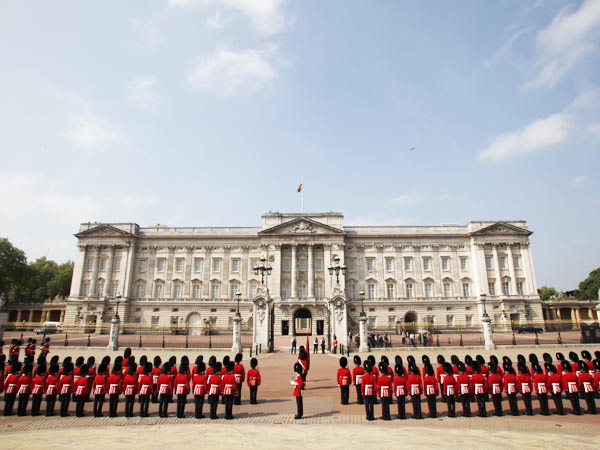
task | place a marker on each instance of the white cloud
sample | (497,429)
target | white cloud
(411,199)
(578,180)
(147,30)
(538,135)
(505,48)
(143,91)
(90,131)
(227,72)
(266,16)
(570,38)
(215,21)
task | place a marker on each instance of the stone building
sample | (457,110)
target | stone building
(417,277)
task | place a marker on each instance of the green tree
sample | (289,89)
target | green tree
(13,268)
(588,288)
(547,292)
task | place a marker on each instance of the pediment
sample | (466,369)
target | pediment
(301,226)
(103,230)
(501,229)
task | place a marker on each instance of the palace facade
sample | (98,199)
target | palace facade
(418,277)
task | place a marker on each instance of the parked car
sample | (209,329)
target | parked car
(522,330)
(49,328)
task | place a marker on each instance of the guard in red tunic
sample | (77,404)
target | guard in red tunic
(30,348)
(24,388)
(214,389)
(586,385)
(400,389)
(431,389)
(344,380)
(39,381)
(303,361)
(130,387)
(199,389)
(145,389)
(253,380)
(228,388)
(357,374)
(524,386)
(115,387)
(415,388)
(463,384)
(298,384)
(81,390)
(384,389)
(182,389)
(65,388)
(99,389)
(91,363)
(494,382)
(51,389)
(239,373)
(540,386)
(597,376)
(510,387)
(478,387)
(571,387)
(156,372)
(448,384)
(165,389)
(440,373)
(555,387)
(368,387)
(14,350)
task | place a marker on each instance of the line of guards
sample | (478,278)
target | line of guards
(150,382)
(473,380)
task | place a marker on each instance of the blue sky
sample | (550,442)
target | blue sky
(209,112)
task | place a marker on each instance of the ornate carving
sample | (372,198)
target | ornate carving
(303,227)
(261,310)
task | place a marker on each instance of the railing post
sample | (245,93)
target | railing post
(66,339)
(89,341)
(537,339)
(437,339)
(209,341)
(140,343)
(559,340)
(250,351)
(163,340)
(186,341)
(514,339)
(460,343)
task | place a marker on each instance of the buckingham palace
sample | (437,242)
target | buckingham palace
(304,274)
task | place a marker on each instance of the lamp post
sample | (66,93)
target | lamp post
(486,323)
(237,320)
(263,269)
(364,344)
(337,268)
(113,341)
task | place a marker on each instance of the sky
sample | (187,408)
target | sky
(210,112)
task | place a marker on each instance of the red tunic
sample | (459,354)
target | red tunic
(81,386)
(414,384)
(214,384)
(510,383)
(228,384)
(449,385)
(368,385)
(181,384)
(100,385)
(24,384)
(51,386)
(239,373)
(524,385)
(384,386)
(586,382)
(253,378)
(130,385)
(198,384)
(555,385)
(569,380)
(115,384)
(463,384)
(478,385)
(400,386)
(344,377)
(494,384)
(65,384)
(430,385)
(357,374)
(165,384)
(39,382)
(145,385)
(298,384)
(540,383)
(10,384)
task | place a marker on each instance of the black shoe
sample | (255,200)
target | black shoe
(297,417)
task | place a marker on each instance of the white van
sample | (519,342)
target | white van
(50,328)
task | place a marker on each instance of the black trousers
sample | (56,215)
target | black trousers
(385,408)
(450,401)
(154,393)
(98,404)
(129,401)
(22,406)
(144,404)
(181,401)
(213,401)
(253,392)
(79,404)
(481,409)
(359,397)
(163,405)
(497,401)
(431,404)
(401,401)
(345,394)
(299,407)
(198,405)
(36,403)
(113,403)
(543,399)
(238,394)
(65,399)
(591,403)
(558,403)
(574,398)
(512,403)
(9,404)
(315,349)
(528,404)
(50,403)
(229,399)
(369,408)
(465,399)
(416,402)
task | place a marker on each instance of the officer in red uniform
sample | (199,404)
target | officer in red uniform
(239,373)
(344,378)
(414,385)
(91,363)
(39,381)
(448,384)
(214,389)
(586,385)
(368,387)
(115,387)
(199,389)
(555,387)
(571,387)
(165,389)
(156,372)
(430,386)
(298,384)
(400,389)
(384,389)
(228,388)
(24,388)
(510,387)
(478,387)
(495,388)
(145,389)
(65,388)
(253,380)
(357,374)
(99,389)
(130,387)
(182,388)
(303,361)
(463,385)
(51,388)
(540,386)
(80,390)
(440,373)
(524,386)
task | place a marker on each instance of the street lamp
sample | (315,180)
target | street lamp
(483,299)
(238,294)
(118,297)
(362,303)
(337,268)
(263,268)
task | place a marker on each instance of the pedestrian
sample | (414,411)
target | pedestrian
(165,389)
(130,388)
(156,372)
(100,387)
(510,387)
(253,380)
(334,345)
(415,388)
(463,384)
(344,379)
(239,373)
(495,388)
(293,351)
(303,361)
(323,344)
(315,345)
(524,386)
(199,389)
(478,387)
(80,390)
(448,384)
(298,385)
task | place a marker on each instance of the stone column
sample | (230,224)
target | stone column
(294,274)
(109,270)
(364,344)
(237,335)
(79,271)
(487,332)
(530,283)
(512,271)
(113,340)
(311,281)
(497,276)
(95,271)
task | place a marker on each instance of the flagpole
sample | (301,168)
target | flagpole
(302,197)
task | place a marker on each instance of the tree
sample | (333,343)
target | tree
(547,292)
(588,288)
(13,268)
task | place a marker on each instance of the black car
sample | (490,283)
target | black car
(522,330)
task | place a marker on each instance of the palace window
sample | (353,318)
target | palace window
(102,264)
(252,290)
(215,290)
(319,264)
(370,264)
(466,290)
(100,289)
(503,262)
(86,289)
(428,290)
(235,265)
(463,263)
(285,289)
(117,264)
(319,291)
(520,288)
(389,264)
(449,320)
(446,264)
(408,264)
(114,288)
(139,290)
(160,264)
(89,264)
(198,263)
(155,321)
(179,264)
(426,264)
(286,264)
(233,288)
(389,289)
(352,290)
(351,264)
(517,262)
(492,288)
(447,289)
(142,265)
(409,290)
(302,290)
(469,319)
(371,290)
(506,287)
(302,264)
(158,291)
(216,265)
(196,291)
(177,290)
(488,263)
